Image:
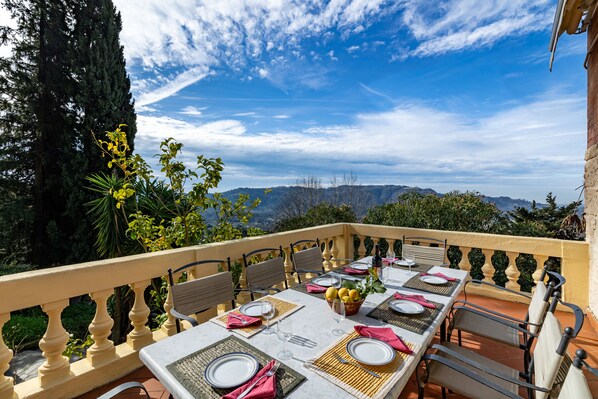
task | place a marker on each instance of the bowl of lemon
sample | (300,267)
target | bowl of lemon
(350,297)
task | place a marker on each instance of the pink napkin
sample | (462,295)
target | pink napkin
(417,299)
(315,288)
(233,322)
(384,334)
(386,262)
(265,389)
(350,270)
(447,278)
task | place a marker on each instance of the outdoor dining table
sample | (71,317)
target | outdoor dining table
(313,322)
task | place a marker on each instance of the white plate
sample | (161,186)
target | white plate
(405,307)
(403,262)
(434,280)
(253,309)
(359,266)
(324,281)
(370,351)
(231,370)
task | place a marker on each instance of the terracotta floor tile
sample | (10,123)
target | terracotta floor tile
(587,339)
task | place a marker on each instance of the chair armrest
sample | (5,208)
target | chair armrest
(179,315)
(263,290)
(469,305)
(468,373)
(303,271)
(487,369)
(498,287)
(498,320)
(123,387)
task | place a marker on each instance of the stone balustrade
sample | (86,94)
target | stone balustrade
(53,288)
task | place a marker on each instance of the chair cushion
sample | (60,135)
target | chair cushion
(445,376)
(546,360)
(575,386)
(465,320)
(537,308)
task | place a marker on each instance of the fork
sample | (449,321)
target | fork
(238,318)
(344,361)
(268,374)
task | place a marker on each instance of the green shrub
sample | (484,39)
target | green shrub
(77,317)
(13,269)
(24,332)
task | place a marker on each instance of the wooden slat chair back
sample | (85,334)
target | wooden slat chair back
(261,273)
(430,251)
(198,295)
(308,260)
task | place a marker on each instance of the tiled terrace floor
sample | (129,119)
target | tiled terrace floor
(587,339)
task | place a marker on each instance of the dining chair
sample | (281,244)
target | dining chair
(306,257)
(198,295)
(264,269)
(500,327)
(426,250)
(124,387)
(470,374)
(575,385)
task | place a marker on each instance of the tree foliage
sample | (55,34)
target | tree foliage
(322,213)
(65,76)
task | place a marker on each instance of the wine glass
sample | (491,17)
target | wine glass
(338,309)
(390,257)
(284,331)
(409,257)
(268,311)
(337,281)
(385,274)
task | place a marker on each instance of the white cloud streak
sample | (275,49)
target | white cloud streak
(529,149)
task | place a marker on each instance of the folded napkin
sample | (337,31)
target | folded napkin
(350,270)
(447,278)
(233,322)
(315,288)
(417,299)
(386,262)
(265,389)
(384,334)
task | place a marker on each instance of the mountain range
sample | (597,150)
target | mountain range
(360,197)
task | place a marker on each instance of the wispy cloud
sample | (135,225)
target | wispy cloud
(464,24)
(529,149)
(193,111)
(173,86)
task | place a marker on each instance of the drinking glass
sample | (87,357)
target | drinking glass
(409,257)
(284,331)
(338,309)
(390,257)
(385,274)
(268,312)
(337,282)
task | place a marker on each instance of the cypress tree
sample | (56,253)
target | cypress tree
(65,78)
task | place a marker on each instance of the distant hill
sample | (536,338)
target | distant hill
(364,197)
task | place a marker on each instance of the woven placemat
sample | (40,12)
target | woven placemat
(417,323)
(283,309)
(416,268)
(444,289)
(356,381)
(189,370)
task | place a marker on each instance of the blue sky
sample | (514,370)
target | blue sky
(448,95)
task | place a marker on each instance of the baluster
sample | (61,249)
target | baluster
(169,326)
(361,249)
(6,383)
(141,334)
(288,267)
(53,344)
(465,264)
(243,297)
(391,245)
(512,272)
(326,254)
(334,253)
(540,261)
(376,240)
(488,269)
(103,349)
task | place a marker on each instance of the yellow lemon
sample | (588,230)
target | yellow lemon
(347,299)
(331,293)
(343,292)
(354,294)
